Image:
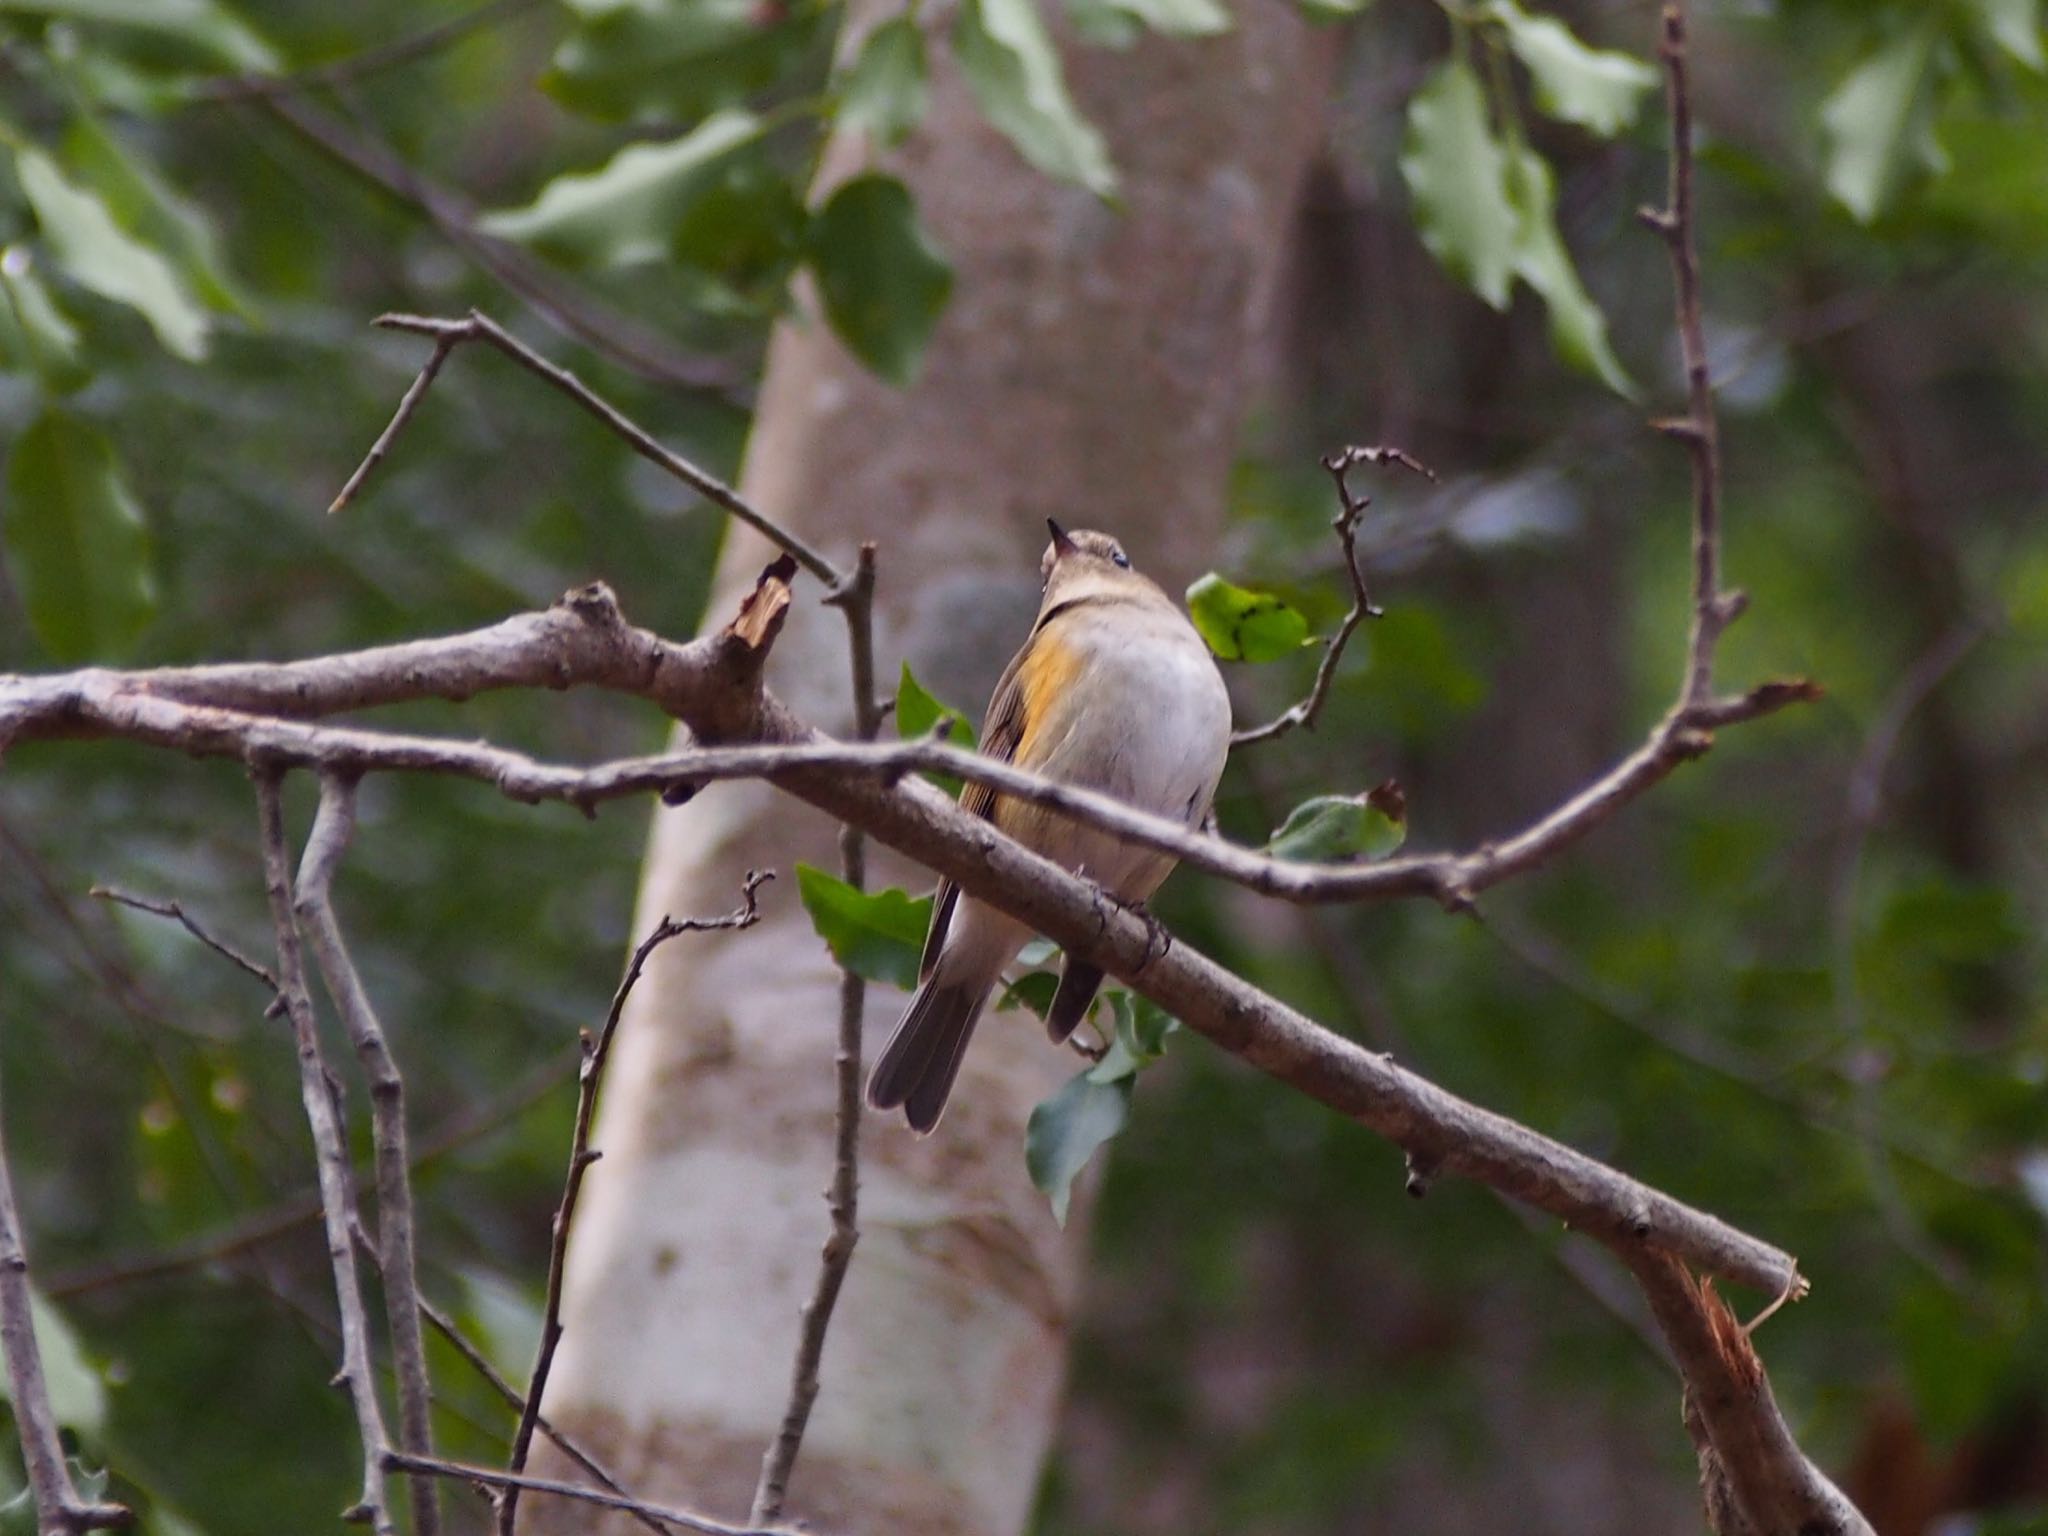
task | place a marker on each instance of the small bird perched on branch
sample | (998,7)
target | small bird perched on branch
(1113,691)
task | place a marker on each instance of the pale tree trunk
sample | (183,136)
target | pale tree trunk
(1093,366)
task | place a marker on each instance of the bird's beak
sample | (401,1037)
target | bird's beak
(1060,541)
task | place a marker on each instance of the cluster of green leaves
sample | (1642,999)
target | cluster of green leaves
(1921,67)
(92,237)
(1485,198)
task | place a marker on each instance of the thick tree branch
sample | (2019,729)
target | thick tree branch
(712,685)
(59,1509)
(584,640)
(1756,1480)
(590,1078)
(333,828)
(322,1095)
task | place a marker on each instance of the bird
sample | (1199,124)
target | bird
(1113,691)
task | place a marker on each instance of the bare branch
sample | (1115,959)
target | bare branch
(59,1509)
(1350,509)
(337,1199)
(408,403)
(480,327)
(711,684)
(581,1155)
(842,1195)
(512,1482)
(191,925)
(137,708)
(333,827)
(1699,430)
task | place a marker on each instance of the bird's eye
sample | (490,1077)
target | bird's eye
(1119,559)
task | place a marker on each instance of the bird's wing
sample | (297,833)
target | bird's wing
(1000,733)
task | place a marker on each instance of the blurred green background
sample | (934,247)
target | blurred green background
(1803,982)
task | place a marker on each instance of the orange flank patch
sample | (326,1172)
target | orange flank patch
(1048,672)
(1049,669)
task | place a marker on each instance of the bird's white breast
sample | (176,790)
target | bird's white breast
(1147,719)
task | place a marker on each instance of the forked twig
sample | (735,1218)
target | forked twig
(1350,511)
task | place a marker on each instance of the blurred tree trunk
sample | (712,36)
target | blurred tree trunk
(1093,366)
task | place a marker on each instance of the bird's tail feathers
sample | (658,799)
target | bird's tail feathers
(1078,985)
(916,1068)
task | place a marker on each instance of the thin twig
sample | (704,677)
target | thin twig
(595,1054)
(337,1198)
(514,1482)
(358,66)
(191,925)
(557,303)
(478,326)
(479,1362)
(842,1195)
(59,1509)
(333,828)
(1350,510)
(1699,429)
(407,404)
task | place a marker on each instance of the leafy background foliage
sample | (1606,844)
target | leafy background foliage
(1837,1039)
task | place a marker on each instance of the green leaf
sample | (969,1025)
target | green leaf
(1578,330)
(1242,625)
(1034,989)
(1169,18)
(153,211)
(1014,72)
(35,334)
(1137,1036)
(739,239)
(2014,25)
(94,251)
(877,935)
(1332,10)
(1867,124)
(210,30)
(1064,1131)
(882,280)
(1456,172)
(630,210)
(885,91)
(918,711)
(78,1397)
(1596,88)
(1334,829)
(676,60)
(79,547)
